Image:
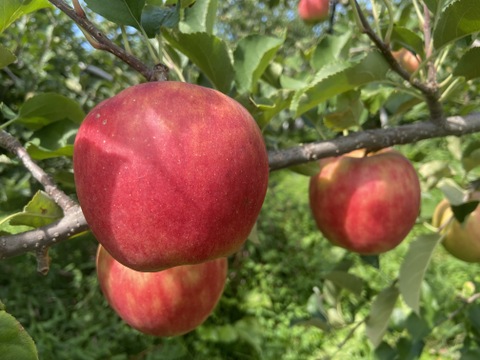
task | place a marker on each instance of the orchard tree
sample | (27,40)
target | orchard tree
(372,103)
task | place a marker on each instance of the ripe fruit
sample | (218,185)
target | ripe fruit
(313,10)
(406,59)
(366,204)
(166,303)
(169,173)
(461,240)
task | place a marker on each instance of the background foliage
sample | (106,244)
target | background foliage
(290,294)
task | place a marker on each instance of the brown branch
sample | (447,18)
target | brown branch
(373,140)
(11,144)
(159,72)
(430,93)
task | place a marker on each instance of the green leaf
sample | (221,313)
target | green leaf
(40,211)
(338,78)
(454,193)
(349,109)
(330,49)
(467,66)
(409,39)
(417,326)
(45,109)
(11,10)
(208,52)
(380,312)
(15,343)
(432,5)
(121,12)
(6,57)
(414,265)
(200,17)
(266,109)
(155,17)
(40,153)
(471,155)
(251,57)
(460,18)
(345,280)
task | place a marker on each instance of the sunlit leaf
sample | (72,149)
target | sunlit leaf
(460,18)
(380,312)
(251,57)
(200,17)
(337,78)
(414,265)
(329,49)
(208,52)
(122,12)
(40,211)
(451,190)
(11,10)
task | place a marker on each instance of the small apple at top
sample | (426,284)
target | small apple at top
(313,10)
(407,60)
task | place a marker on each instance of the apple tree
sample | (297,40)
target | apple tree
(322,80)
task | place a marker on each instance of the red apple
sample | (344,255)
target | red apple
(165,303)
(461,240)
(366,204)
(169,173)
(313,10)
(406,59)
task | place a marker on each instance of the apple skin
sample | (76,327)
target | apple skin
(313,10)
(406,59)
(365,204)
(166,303)
(461,240)
(169,173)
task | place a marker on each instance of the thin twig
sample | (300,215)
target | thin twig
(11,144)
(159,72)
(431,94)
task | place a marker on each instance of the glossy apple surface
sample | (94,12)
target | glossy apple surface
(169,173)
(406,59)
(313,10)
(366,204)
(170,302)
(461,240)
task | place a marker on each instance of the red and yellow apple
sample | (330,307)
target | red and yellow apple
(462,240)
(170,302)
(366,204)
(169,173)
(406,59)
(313,10)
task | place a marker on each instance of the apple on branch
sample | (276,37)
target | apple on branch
(365,203)
(170,302)
(313,10)
(407,60)
(461,240)
(170,173)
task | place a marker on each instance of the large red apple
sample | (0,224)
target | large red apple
(366,204)
(313,10)
(407,60)
(166,303)
(462,240)
(169,173)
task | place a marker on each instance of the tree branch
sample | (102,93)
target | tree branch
(159,72)
(373,140)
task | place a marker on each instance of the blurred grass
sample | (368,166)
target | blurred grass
(270,282)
